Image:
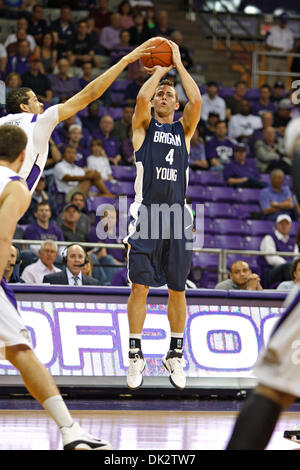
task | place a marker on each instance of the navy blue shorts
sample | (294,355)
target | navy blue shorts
(165,255)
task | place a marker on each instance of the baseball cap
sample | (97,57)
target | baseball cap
(240,146)
(279,84)
(283,17)
(68,206)
(285,104)
(282,217)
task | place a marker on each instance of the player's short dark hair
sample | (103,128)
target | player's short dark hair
(15,98)
(238,261)
(12,141)
(76,194)
(221,121)
(169,83)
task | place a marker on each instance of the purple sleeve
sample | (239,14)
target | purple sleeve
(264,198)
(59,233)
(228,172)
(31,233)
(211,149)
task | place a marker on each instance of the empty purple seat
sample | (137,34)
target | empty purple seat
(229,227)
(194,177)
(204,270)
(229,242)
(115,113)
(92,203)
(124,187)
(197,193)
(222,194)
(209,241)
(211,178)
(226,91)
(252,243)
(120,85)
(259,227)
(123,173)
(216,210)
(252,94)
(245,211)
(248,195)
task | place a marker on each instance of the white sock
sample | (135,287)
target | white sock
(58,410)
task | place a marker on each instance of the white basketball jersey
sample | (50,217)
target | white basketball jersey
(6,176)
(38,128)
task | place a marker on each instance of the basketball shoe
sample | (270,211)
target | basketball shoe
(174,362)
(136,368)
(75,438)
(293,434)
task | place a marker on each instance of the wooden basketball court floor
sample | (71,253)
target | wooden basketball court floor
(134,426)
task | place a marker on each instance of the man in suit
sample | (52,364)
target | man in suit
(74,260)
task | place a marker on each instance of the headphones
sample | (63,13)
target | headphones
(65,254)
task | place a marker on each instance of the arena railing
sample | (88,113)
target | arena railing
(256,71)
(221,252)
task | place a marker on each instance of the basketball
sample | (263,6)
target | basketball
(161,55)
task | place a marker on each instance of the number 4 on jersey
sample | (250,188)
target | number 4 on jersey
(170,157)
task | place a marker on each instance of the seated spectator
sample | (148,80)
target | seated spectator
(267,120)
(122,48)
(64,28)
(219,149)
(70,229)
(269,152)
(233,102)
(140,32)
(42,229)
(278,92)
(75,257)
(3,58)
(239,173)
(12,8)
(62,84)
(264,103)
(70,178)
(61,132)
(91,121)
(37,81)
(47,53)
(211,101)
(11,272)
(76,140)
(186,59)
(80,47)
(34,273)
(125,10)
(295,275)
(22,24)
(110,35)
(37,26)
(278,267)
(241,278)
(19,63)
(84,223)
(197,160)
(242,125)
(134,87)
(39,195)
(99,161)
(92,30)
(283,115)
(121,127)
(87,269)
(207,130)
(276,199)
(151,18)
(127,150)
(12,81)
(101,14)
(162,28)
(109,142)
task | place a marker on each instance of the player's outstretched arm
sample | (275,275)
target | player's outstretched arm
(192,110)
(97,87)
(14,202)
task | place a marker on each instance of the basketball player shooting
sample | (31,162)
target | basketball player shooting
(161,153)
(15,343)
(25,111)
(277,370)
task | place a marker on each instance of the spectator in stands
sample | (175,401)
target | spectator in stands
(84,223)
(283,115)
(127,150)
(140,31)
(47,53)
(186,59)
(219,149)
(110,35)
(37,26)
(12,48)
(75,257)
(76,140)
(34,273)
(121,127)
(276,199)
(80,47)
(87,74)
(19,62)
(70,229)
(122,48)
(278,92)
(267,120)
(295,275)
(11,272)
(109,142)
(207,129)
(125,10)
(133,88)
(280,38)
(13,8)
(162,28)
(233,102)
(241,278)
(70,178)
(39,195)
(278,267)
(87,269)
(60,134)
(264,103)
(98,160)
(22,24)
(37,81)
(269,152)
(102,14)
(91,121)
(3,58)
(211,101)
(239,173)
(92,31)
(242,125)
(64,28)
(62,84)
(42,229)
(198,160)
(13,80)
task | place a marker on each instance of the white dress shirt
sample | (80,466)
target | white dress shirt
(100,164)
(62,169)
(268,245)
(243,125)
(217,104)
(71,280)
(280,37)
(35,272)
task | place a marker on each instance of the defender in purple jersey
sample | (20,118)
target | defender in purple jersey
(160,256)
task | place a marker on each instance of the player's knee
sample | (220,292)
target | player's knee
(177,295)
(139,290)
(282,398)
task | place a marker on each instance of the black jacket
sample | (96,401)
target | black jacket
(62,278)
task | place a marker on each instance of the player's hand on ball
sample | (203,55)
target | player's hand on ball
(158,69)
(175,53)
